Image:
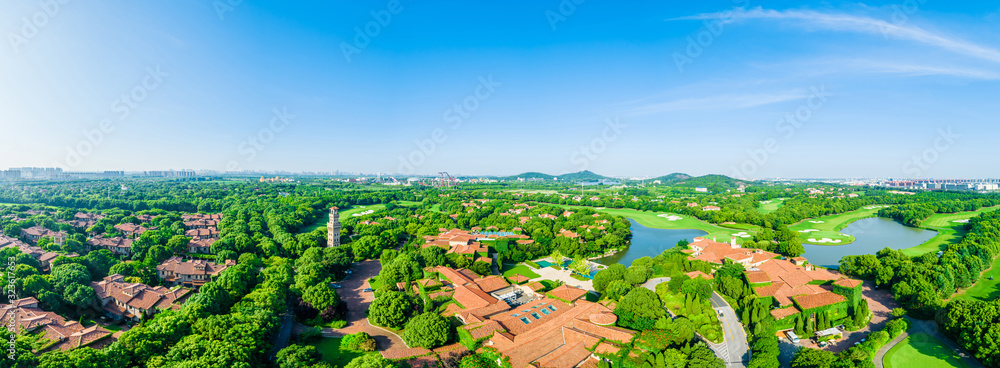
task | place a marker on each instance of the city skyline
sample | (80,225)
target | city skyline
(830,90)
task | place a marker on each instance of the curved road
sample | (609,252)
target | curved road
(734,351)
(357,301)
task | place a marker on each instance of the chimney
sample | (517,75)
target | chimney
(732,242)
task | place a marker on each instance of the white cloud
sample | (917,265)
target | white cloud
(860,24)
(721,102)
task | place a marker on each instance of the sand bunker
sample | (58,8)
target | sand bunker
(824,240)
(670,217)
(369,212)
(817,222)
(966,221)
(808,230)
(742,234)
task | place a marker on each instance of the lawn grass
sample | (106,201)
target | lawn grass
(773,205)
(374,283)
(519,269)
(831,225)
(345,214)
(985,289)
(924,351)
(408,203)
(653,220)
(949,231)
(329,348)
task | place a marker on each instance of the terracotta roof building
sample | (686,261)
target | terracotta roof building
(118,246)
(35,233)
(192,273)
(131,230)
(24,315)
(124,300)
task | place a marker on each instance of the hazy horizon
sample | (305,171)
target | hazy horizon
(821,90)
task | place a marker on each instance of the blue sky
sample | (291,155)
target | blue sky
(775,89)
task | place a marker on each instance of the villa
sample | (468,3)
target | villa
(35,233)
(558,329)
(25,315)
(124,300)
(193,273)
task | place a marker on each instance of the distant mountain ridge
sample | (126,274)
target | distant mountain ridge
(680,179)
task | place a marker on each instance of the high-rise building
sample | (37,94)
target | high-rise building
(333,228)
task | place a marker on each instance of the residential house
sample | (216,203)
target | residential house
(131,230)
(23,315)
(117,245)
(118,299)
(201,246)
(35,233)
(191,273)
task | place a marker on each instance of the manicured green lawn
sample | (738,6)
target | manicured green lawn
(345,214)
(653,220)
(771,206)
(830,226)
(949,231)
(520,269)
(329,348)
(408,203)
(985,289)
(924,351)
(374,283)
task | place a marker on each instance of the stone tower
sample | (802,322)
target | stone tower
(333,228)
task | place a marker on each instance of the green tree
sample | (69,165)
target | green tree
(370,361)
(639,309)
(321,296)
(428,330)
(297,356)
(604,277)
(70,273)
(390,309)
(636,275)
(813,358)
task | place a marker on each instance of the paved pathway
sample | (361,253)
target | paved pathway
(734,350)
(357,304)
(563,275)
(930,328)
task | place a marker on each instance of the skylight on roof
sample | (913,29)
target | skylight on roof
(525,320)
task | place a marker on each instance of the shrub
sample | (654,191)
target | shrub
(896,327)
(310,334)
(898,312)
(428,330)
(358,342)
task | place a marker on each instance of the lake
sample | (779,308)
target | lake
(649,242)
(871,235)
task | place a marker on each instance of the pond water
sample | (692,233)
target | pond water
(649,242)
(871,235)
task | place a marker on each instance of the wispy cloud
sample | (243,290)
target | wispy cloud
(859,24)
(921,70)
(721,102)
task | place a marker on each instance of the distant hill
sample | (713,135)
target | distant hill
(568,178)
(530,175)
(585,175)
(672,178)
(710,181)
